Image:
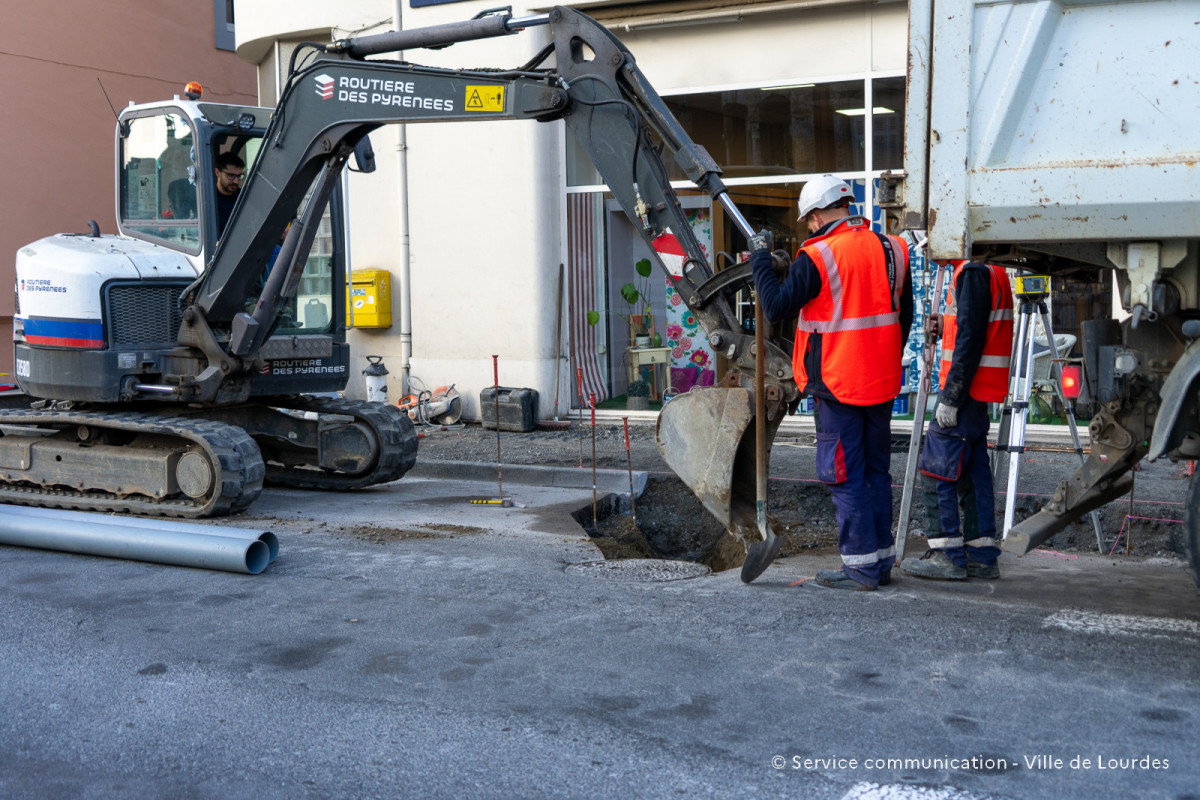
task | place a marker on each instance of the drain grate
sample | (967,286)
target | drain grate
(640,570)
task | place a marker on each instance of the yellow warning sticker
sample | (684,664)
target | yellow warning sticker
(485,98)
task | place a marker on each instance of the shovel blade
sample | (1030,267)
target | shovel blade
(760,555)
(706,436)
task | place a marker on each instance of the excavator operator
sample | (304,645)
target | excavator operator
(229,172)
(853,292)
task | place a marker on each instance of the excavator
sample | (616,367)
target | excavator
(175,367)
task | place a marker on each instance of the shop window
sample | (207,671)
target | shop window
(767,141)
(887,123)
(785,130)
(777,131)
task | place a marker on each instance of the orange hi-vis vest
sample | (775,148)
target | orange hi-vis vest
(990,383)
(856,314)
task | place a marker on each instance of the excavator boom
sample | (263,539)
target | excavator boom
(596,88)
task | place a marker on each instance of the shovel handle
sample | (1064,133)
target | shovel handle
(760,421)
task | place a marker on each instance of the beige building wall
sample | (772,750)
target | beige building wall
(59,59)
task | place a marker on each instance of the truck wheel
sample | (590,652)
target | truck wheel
(1191,527)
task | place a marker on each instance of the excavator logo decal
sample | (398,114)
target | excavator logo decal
(485,98)
(324,86)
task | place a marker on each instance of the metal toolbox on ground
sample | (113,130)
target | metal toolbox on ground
(518,408)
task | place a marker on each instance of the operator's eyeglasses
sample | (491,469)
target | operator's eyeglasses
(233,176)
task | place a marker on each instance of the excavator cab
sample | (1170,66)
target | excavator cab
(167,195)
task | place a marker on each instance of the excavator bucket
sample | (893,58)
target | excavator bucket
(707,437)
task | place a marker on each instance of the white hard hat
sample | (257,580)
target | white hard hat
(822,192)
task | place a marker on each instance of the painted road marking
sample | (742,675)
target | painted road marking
(1076,621)
(899,791)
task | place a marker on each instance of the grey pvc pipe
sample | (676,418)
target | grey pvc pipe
(266,537)
(82,532)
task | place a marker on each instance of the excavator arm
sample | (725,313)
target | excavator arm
(596,88)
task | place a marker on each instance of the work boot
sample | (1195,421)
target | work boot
(937,566)
(886,578)
(838,579)
(977,569)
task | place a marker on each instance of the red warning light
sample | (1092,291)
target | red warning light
(1072,380)
(193,91)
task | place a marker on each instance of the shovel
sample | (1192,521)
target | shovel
(760,554)
(704,436)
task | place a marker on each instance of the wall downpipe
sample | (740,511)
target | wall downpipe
(405,278)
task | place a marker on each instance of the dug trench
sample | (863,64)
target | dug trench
(672,524)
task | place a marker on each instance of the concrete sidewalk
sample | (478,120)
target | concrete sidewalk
(803,424)
(604,480)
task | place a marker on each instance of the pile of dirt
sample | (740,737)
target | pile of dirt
(1148,529)
(672,524)
(385,535)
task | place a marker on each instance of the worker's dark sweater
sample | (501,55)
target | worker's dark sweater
(225,204)
(783,300)
(973,296)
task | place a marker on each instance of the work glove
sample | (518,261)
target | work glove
(763,240)
(946,416)
(933,326)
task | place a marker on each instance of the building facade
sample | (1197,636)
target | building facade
(65,80)
(511,236)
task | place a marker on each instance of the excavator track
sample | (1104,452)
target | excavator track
(39,469)
(393,437)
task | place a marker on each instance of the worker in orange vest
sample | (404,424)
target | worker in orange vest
(853,292)
(976,347)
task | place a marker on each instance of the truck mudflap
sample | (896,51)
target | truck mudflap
(1178,390)
(707,437)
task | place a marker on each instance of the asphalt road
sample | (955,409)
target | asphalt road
(409,644)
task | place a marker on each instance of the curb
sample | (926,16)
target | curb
(799,424)
(607,480)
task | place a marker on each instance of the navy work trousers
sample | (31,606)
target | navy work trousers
(974,484)
(854,449)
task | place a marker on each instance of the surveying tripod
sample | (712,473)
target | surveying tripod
(1031,291)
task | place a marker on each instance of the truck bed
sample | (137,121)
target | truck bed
(1053,122)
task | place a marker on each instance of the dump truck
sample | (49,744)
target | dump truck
(1063,138)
